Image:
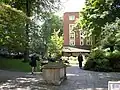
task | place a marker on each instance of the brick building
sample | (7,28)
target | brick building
(74,38)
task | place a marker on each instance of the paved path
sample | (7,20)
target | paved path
(77,79)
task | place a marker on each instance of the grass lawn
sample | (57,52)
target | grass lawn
(15,65)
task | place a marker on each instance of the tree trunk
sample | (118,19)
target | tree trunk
(26,53)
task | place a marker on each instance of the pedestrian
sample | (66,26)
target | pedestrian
(80,59)
(33,62)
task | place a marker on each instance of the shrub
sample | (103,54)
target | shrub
(103,60)
(89,65)
(92,59)
(103,65)
(97,61)
(114,60)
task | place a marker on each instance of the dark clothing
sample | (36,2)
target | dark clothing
(80,59)
(33,61)
(80,64)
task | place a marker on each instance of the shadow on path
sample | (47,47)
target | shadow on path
(77,79)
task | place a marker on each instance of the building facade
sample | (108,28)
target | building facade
(72,37)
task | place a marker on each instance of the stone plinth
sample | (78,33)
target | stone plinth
(54,73)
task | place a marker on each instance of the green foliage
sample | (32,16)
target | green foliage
(51,23)
(35,38)
(96,14)
(40,36)
(12,29)
(35,9)
(97,54)
(56,44)
(100,19)
(38,7)
(107,56)
(103,60)
(32,34)
(114,60)
(97,61)
(111,36)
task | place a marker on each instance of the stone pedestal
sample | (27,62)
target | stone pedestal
(54,73)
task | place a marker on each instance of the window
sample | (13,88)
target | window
(72,17)
(81,42)
(88,41)
(72,43)
(71,26)
(71,36)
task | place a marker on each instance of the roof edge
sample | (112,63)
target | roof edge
(71,12)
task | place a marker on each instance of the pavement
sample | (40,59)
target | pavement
(77,79)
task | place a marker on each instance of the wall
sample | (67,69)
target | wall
(66,23)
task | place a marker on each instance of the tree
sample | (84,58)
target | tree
(96,14)
(40,38)
(100,18)
(56,44)
(106,56)
(36,39)
(12,28)
(36,8)
(111,36)
(51,23)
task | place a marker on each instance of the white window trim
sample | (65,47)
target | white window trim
(71,43)
(89,40)
(71,39)
(72,17)
(82,40)
(70,31)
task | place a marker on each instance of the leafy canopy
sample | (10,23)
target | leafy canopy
(56,44)
(12,25)
(96,14)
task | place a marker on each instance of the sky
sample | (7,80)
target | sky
(71,6)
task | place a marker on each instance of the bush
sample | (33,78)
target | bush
(103,60)
(89,65)
(103,65)
(114,60)
(97,61)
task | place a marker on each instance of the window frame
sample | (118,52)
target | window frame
(71,34)
(72,17)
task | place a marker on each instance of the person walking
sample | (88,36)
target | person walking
(33,62)
(80,59)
